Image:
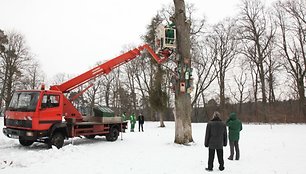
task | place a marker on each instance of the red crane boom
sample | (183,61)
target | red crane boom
(107,67)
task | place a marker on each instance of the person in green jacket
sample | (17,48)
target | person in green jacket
(123,116)
(132,121)
(170,31)
(234,128)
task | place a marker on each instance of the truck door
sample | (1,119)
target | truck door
(50,110)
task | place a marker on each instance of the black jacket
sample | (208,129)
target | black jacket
(141,119)
(216,135)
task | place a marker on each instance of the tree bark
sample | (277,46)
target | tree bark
(161,119)
(183,131)
(182,111)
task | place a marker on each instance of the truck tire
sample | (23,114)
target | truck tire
(56,140)
(25,142)
(113,134)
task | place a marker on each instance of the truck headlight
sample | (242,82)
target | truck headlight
(29,133)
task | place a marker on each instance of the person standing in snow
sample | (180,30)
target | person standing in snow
(132,121)
(140,122)
(234,128)
(215,139)
(123,116)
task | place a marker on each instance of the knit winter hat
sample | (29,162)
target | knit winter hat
(233,115)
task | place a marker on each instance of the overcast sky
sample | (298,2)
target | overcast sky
(70,36)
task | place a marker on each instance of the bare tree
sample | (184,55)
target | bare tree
(183,131)
(173,70)
(241,82)
(13,60)
(121,95)
(130,85)
(92,95)
(131,72)
(107,87)
(291,17)
(32,76)
(223,42)
(257,34)
(116,94)
(274,67)
(60,78)
(203,63)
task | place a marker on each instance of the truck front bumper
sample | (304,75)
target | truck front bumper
(24,134)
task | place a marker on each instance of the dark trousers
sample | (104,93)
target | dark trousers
(234,144)
(140,126)
(211,157)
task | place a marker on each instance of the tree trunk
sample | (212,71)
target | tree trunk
(222,94)
(301,92)
(107,94)
(9,87)
(161,119)
(183,131)
(182,111)
(2,94)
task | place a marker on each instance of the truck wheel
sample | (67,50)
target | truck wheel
(25,142)
(113,134)
(56,140)
(90,136)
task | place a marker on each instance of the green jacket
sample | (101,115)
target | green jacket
(133,119)
(123,116)
(234,127)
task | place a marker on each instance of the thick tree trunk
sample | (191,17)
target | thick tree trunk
(182,111)
(9,87)
(182,114)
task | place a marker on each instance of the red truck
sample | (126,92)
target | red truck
(48,116)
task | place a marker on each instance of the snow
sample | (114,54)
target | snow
(264,149)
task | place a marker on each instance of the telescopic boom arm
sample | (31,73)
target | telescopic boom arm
(107,67)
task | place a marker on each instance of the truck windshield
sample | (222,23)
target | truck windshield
(24,101)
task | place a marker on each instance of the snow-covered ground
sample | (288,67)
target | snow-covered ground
(265,149)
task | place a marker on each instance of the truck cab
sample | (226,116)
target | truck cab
(47,116)
(31,114)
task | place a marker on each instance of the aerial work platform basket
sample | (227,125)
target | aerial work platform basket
(165,38)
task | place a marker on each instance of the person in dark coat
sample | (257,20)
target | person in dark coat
(234,128)
(215,139)
(140,122)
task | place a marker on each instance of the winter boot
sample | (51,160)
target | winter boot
(208,169)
